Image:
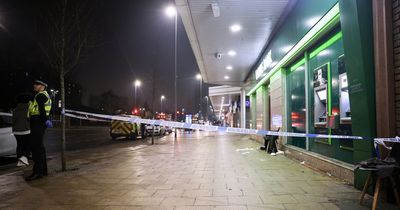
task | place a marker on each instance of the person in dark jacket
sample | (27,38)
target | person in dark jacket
(21,128)
(39,112)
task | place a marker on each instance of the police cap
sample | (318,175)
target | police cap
(39,82)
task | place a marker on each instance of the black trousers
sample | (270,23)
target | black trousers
(38,150)
(23,148)
(272,143)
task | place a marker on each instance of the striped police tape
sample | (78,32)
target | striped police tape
(205,127)
(85,118)
(394,140)
(5,114)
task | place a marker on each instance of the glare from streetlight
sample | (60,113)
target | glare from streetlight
(198,76)
(138,83)
(162,97)
(170,11)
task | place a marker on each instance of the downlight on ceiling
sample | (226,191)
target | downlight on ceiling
(231,53)
(235,28)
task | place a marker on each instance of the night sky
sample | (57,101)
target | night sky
(134,40)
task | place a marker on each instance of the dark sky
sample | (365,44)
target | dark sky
(134,40)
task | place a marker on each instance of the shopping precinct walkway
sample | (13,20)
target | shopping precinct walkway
(198,171)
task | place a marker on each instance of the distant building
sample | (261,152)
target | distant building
(73,94)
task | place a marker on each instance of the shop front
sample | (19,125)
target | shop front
(325,78)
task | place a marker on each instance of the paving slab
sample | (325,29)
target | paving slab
(196,171)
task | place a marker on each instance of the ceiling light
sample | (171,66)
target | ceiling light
(226,77)
(235,28)
(231,53)
(229,67)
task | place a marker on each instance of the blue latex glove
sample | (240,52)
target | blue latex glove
(49,124)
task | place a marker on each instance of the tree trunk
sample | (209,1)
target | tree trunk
(62,87)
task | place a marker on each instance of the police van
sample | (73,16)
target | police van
(126,129)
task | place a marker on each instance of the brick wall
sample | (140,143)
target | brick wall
(396,58)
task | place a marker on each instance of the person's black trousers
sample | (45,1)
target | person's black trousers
(38,150)
(23,148)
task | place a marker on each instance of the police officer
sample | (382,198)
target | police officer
(39,112)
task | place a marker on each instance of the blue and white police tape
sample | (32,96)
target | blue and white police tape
(134,119)
(394,140)
(85,118)
(5,114)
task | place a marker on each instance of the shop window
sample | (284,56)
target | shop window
(297,104)
(331,112)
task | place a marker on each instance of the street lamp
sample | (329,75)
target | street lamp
(138,83)
(162,98)
(198,77)
(171,12)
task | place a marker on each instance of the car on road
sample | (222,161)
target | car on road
(8,143)
(158,130)
(168,130)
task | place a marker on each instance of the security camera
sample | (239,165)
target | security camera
(218,55)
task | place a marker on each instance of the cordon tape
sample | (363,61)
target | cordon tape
(93,116)
(106,118)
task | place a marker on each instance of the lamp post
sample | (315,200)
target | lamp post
(198,77)
(162,98)
(171,12)
(137,84)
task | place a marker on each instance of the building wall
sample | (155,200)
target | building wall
(396,57)
(260,99)
(276,98)
(253,109)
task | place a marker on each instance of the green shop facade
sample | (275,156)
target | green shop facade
(317,76)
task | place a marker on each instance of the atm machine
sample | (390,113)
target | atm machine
(344,106)
(320,96)
(345,114)
(322,113)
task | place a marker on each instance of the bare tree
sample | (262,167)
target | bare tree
(67,41)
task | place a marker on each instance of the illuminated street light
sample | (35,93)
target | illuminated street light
(162,98)
(137,83)
(171,12)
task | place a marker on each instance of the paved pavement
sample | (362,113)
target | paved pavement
(197,171)
(78,138)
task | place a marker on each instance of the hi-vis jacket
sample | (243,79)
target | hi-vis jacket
(34,106)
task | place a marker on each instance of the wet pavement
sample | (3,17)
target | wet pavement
(200,170)
(78,138)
